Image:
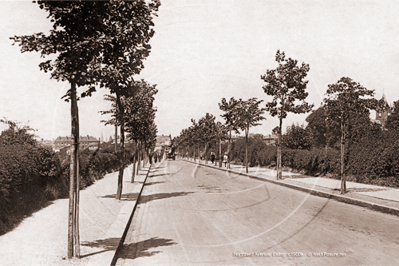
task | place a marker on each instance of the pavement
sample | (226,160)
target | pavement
(41,239)
(378,198)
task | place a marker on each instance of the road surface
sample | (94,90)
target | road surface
(192,215)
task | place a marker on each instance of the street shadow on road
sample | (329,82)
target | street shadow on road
(156,168)
(105,245)
(154,183)
(126,196)
(151,176)
(142,249)
(159,196)
(148,198)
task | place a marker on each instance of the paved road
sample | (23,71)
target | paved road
(190,215)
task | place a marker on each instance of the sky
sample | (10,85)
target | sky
(206,50)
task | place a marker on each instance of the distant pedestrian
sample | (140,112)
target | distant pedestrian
(225,157)
(212,157)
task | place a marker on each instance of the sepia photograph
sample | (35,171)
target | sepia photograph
(199,132)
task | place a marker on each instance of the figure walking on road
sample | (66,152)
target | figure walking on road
(212,157)
(225,157)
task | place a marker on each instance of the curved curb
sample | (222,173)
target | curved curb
(345,199)
(122,240)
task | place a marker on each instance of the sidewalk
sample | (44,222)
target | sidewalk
(42,238)
(383,199)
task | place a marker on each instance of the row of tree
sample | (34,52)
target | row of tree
(96,43)
(135,115)
(347,102)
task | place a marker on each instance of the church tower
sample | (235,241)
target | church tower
(383,111)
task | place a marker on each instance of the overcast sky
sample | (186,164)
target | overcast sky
(206,50)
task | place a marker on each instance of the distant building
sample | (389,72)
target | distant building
(87,142)
(46,143)
(163,141)
(118,140)
(270,139)
(382,112)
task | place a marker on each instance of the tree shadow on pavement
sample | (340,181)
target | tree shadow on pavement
(142,248)
(104,244)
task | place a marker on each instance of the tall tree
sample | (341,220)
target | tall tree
(231,119)
(74,39)
(345,99)
(92,40)
(221,135)
(196,136)
(241,115)
(208,130)
(186,141)
(123,53)
(248,115)
(287,86)
(139,113)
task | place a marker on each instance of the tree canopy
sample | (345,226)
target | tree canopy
(287,86)
(393,119)
(346,99)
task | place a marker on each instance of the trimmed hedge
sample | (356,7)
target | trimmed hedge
(372,157)
(31,176)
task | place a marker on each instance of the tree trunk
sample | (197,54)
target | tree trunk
(122,155)
(116,137)
(228,151)
(220,152)
(134,163)
(343,180)
(139,157)
(205,150)
(279,173)
(77,195)
(246,150)
(327,135)
(73,212)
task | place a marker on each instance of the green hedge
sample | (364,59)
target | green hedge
(31,176)
(373,159)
